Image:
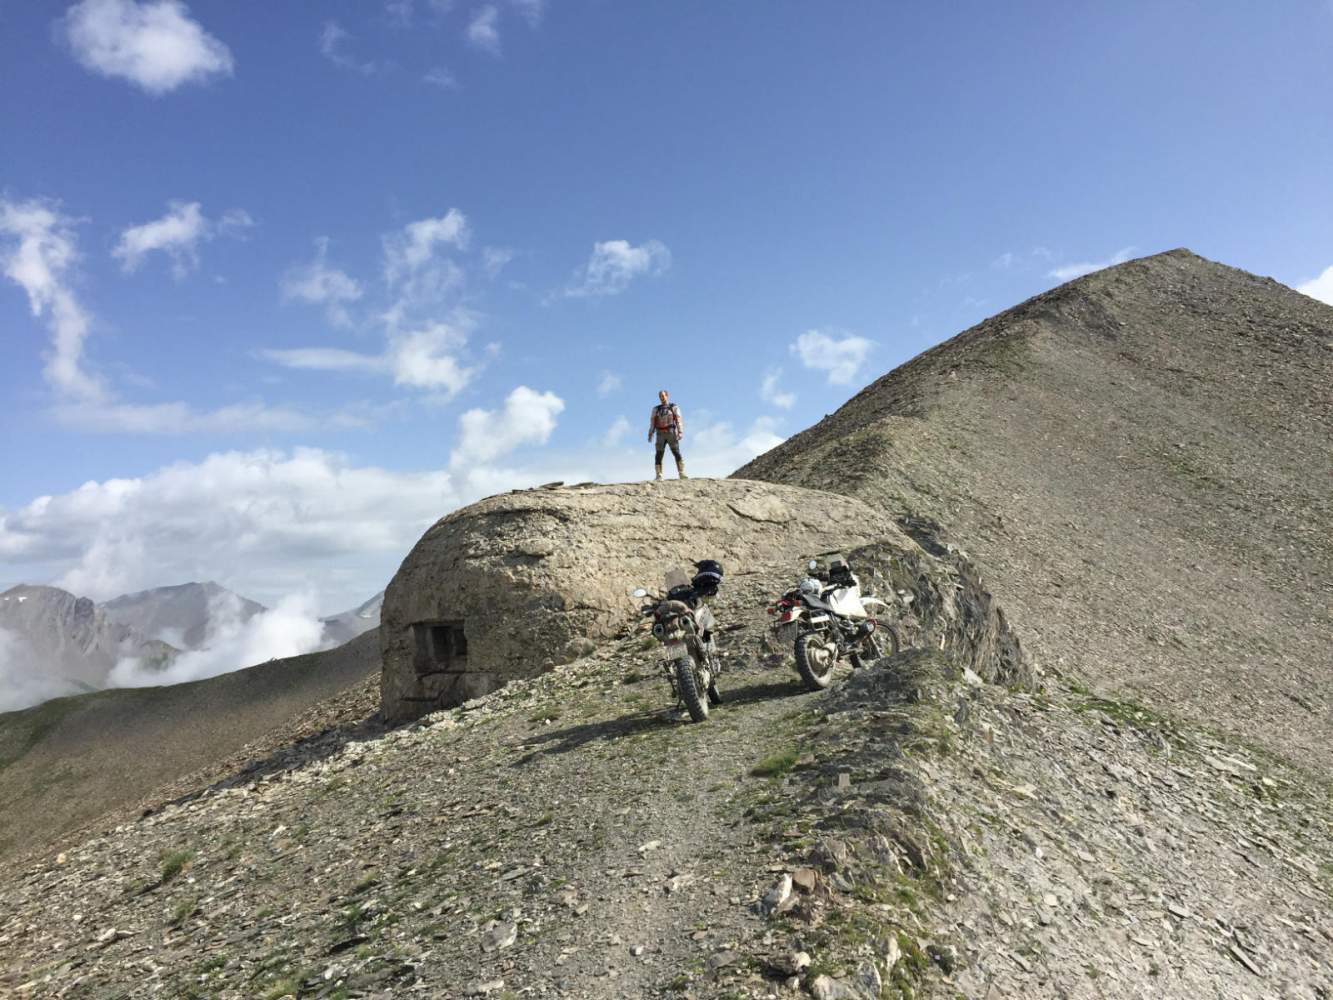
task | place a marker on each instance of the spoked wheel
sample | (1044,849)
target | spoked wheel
(815,660)
(881,643)
(687,686)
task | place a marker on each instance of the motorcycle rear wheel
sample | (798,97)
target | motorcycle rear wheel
(815,660)
(882,642)
(687,687)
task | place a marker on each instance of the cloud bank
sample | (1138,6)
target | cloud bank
(290,628)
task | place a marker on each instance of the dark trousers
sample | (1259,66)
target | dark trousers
(665,439)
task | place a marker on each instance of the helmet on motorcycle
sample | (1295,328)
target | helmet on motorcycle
(809,587)
(709,577)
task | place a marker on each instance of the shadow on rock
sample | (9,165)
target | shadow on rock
(575,737)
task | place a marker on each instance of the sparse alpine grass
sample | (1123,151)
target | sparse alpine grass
(173,863)
(775,765)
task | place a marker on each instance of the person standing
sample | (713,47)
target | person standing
(666,422)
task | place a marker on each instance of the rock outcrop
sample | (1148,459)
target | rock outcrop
(516,584)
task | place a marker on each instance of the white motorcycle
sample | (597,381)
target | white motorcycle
(832,619)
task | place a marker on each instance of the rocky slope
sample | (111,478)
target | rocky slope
(72,760)
(1140,461)
(182,615)
(58,643)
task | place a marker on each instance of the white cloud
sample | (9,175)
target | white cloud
(39,263)
(290,628)
(770,393)
(427,359)
(483,31)
(155,45)
(412,249)
(178,235)
(718,449)
(316,283)
(616,433)
(615,263)
(1068,272)
(528,417)
(1320,288)
(333,44)
(840,358)
(609,382)
(419,276)
(438,76)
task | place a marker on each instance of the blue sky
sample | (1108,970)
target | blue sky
(285,282)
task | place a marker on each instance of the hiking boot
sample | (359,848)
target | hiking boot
(659,470)
(680,468)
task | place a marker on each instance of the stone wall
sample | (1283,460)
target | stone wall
(516,584)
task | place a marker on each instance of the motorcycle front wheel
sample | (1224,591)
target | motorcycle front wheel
(882,642)
(687,686)
(815,660)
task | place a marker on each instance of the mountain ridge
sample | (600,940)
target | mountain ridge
(1164,415)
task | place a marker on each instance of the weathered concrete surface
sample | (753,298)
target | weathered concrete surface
(533,577)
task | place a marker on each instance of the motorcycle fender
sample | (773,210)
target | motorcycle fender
(675,650)
(870,602)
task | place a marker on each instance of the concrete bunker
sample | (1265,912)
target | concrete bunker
(518,583)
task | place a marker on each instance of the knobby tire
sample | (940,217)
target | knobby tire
(812,678)
(688,689)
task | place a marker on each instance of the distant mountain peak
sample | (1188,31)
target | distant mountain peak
(184,612)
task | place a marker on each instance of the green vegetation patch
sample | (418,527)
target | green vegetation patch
(775,765)
(173,863)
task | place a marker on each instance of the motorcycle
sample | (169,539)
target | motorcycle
(833,619)
(684,624)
